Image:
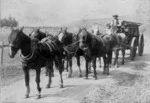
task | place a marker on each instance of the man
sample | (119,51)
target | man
(116,28)
(116,24)
(108,29)
(116,21)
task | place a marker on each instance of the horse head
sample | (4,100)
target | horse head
(62,35)
(15,41)
(36,33)
(95,30)
(84,38)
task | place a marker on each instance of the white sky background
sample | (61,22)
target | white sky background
(58,12)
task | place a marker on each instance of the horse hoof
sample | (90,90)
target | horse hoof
(80,75)
(26,95)
(38,96)
(116,66)
(107,73)
(48,86)
(61,86)
(86,77)
(95,78)
(69,76)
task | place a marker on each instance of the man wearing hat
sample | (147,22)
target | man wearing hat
(116,25)
(116,21)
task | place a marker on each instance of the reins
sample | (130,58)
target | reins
(72,48)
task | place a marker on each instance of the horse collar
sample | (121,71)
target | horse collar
(31,56)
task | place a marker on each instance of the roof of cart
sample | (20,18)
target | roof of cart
(131,23)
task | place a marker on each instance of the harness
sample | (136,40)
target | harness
(31,56)
(50,45)
(100,39)
(71,48)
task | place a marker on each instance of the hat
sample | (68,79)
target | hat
(115,15)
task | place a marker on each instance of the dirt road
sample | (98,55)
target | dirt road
(127,84)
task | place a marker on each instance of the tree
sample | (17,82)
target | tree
(8,22)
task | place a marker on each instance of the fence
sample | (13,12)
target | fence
(2,46)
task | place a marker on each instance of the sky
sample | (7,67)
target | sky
(57,12)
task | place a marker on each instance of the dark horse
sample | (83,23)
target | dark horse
(117,41)
(70,44)
(34,55)
(94,47)
(38,34)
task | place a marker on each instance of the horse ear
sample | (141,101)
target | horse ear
(78,32)
(21,29)
(33,28)
(93,27)
(12,28)
(38,28)
(92,31)
(66,29)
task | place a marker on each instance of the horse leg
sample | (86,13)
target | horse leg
(94,66)
(27,79)
(46,71)
(110,58)
(100,62)
(67,60)
(38,71)
(107,63)
(87,67)
(116,58)
(50,71)
(70,66)
(123,55)
(78,63)
(60,72)
(104,70)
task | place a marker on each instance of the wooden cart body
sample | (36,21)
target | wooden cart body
(135,40)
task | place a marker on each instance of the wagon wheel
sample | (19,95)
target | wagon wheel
(141,45)
(133,48)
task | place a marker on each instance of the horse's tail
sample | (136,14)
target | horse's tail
(59,64)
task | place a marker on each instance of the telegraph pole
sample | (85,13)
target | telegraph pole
(0,11)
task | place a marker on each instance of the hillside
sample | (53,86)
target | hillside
(100,21)
(58,12)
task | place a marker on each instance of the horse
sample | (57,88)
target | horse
(69,40)
(96,32)
(38,34)
(34,55)
(94,47)
(117,40)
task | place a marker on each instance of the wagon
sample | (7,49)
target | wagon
(135,39)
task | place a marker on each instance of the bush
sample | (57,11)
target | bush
(8,22)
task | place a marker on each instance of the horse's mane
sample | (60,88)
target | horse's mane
(41,32)
(22,35)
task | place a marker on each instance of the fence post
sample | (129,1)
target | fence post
(2,50)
